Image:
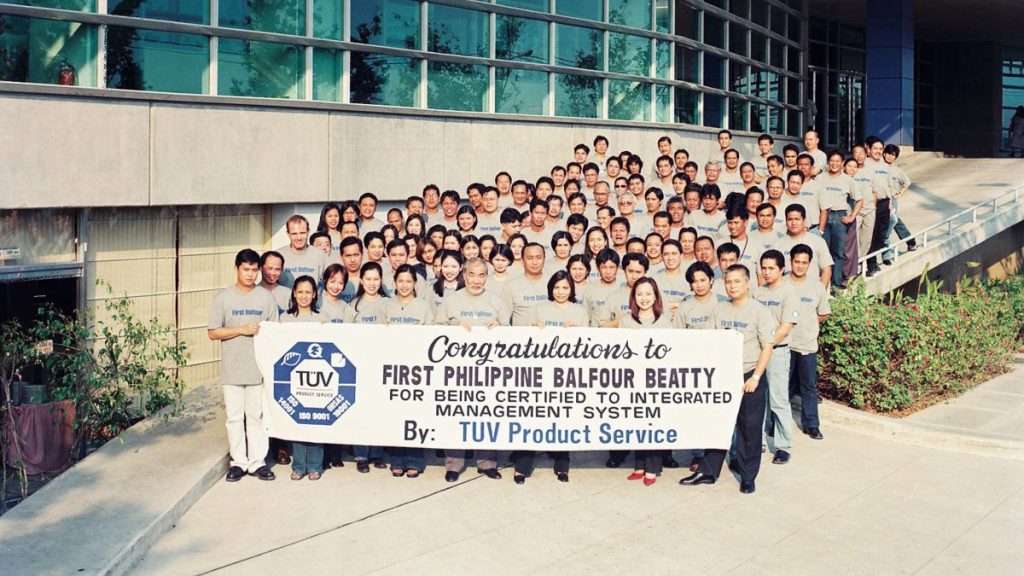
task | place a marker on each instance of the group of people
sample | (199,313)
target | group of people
(752,245)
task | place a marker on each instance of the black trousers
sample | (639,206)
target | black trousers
(650,461)
(524,460)
(880,232)
(748,435)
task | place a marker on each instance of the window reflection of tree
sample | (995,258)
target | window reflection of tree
(378,79)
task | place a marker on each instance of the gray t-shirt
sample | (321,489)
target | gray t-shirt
(813,302)
(309,262)
(311,318)
(281,295)
(706,224)
(837,191)
(488,224)
(233,308)
(764,241)
(730,182)
(881,179)
(615,307)
(754,321)
(479,310)
(371,225)
(369,311)
(822,257)
(783,303)
(663,322)
(336,312)
(694,314)
(673,288)
(521,295)
(551,314)
(415,313)
(543,237)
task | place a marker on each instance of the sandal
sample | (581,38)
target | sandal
(297,475)
(314,476)
(412,473)
(397,472)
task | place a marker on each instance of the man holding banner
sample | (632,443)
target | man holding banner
(757,325)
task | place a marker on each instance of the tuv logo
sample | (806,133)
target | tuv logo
(312,389)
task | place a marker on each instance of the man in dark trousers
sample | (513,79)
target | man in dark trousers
(757,324)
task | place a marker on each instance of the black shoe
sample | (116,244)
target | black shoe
(379,464)
(235,474)
(872,272)
(336,463)
(911,246)
(491,473)
(697,478)
(669,462)
(263,473)
(747,487)
(519,479)
(814,433)
(887,262)
(781,457)
(363,466)
(613,463)
(451,476)
(562,476)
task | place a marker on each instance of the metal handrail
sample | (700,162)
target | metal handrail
(862,262)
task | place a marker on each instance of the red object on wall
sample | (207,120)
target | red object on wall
(45,433)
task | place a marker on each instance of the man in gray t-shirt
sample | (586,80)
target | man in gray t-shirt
(234,320)
(522,293)
(757,325)
(300,259)
(813,308)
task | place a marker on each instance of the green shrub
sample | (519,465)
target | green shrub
(907,353)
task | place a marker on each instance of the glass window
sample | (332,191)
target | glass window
(686,64)
(714,71)
(22,232)
(686,21)
(686,106)
(662,103)
(159,61)
(194,11)
(453,86)
(739,80)
(47,51)
(327,73)
(777,52)
(578,95)
(758,48)
(662,17)
(579,47)
(386,22)
(796,30)
(262,69)
(793,91)
(766,119)
(759,12)
(793,59)
(328,19)
(380,79)
(738,114)
(588,9)
(663,68)
(628,54)
(538,5)
(737,39)
(521,39)
(714,31)
(520,91)
(457,31)
(635,13)
(629,100)
(713,105)
(740,8)
(778,21)
(793,127)
(281,16)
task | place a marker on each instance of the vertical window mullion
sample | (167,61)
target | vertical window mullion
(424,71)
(307,76)
(101,47)
(212,74)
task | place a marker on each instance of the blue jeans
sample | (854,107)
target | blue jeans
(803,379)
(896,225)
(307,457)
(835,237)
(407,458)
(368,453)
(778,413)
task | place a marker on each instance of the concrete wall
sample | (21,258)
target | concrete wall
(73,151)
(968,72)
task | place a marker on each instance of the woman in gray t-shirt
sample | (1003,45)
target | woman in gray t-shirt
(646,310)
(561,310)
(307,457)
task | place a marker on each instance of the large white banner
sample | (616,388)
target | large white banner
(504,388)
